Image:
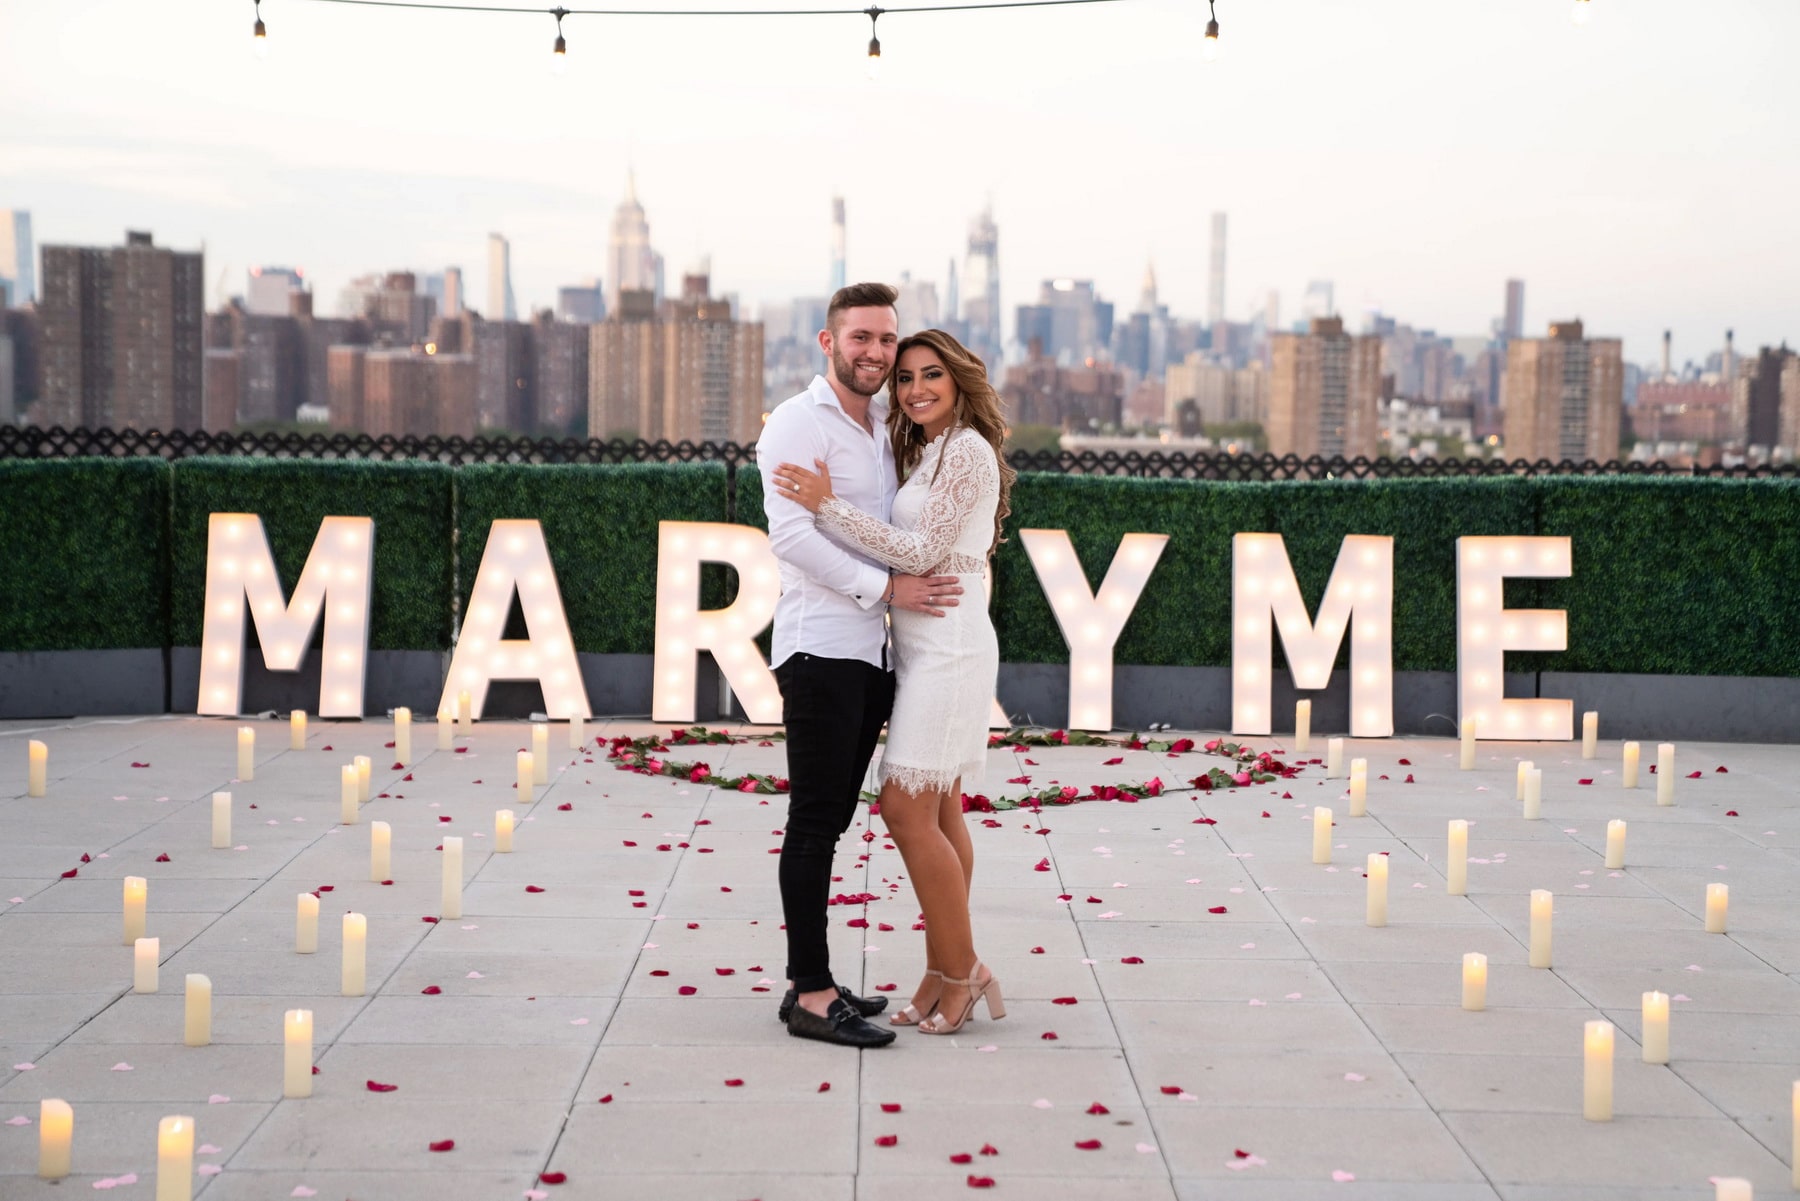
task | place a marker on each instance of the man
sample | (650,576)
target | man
(830,644)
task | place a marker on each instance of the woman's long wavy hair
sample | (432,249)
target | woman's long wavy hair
(977,406)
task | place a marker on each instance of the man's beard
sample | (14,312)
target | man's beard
(845,370)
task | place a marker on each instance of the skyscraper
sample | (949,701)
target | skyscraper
(453,292)
(838,278)
(269,290)
(500,289)
(122,336)
(981,289)
(632,265)
(1318,301)
(1563,396)
(1513,324)
(1324,393)
(1757,403)
(1215,276)
(689,371)
(18,261)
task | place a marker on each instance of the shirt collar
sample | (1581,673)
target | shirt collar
(822,394)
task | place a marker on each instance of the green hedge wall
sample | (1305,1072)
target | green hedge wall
(600,523)
(411,505)
(85,544)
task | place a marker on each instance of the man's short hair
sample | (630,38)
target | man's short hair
(857,296)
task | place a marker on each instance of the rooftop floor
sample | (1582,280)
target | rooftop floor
(1278,1048)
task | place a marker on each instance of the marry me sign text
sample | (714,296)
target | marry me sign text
(336,584)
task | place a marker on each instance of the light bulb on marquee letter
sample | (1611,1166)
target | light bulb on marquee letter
(1091,623)
(1485,632)
(683,628)
(336,582)
(516,558)
(1263,587)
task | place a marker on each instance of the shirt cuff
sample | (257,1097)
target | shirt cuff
(872,589)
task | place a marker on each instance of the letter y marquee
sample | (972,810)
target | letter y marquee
(516,558)
(1263,586)
(240,574)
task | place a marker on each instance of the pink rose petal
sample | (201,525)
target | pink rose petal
(218,1099)
(578,1021)
(207,1149)
(208,1169)
(1355,1077)
(122,1066)
(300,1190)
(1341,1176)
(1042,1103)
(535,1194)
(1146,1148)
(24,1067)
(21,1120)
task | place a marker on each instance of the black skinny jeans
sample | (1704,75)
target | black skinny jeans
(834,710)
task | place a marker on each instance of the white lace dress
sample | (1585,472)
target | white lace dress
(945,666)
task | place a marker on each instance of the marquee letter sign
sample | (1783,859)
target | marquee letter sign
(336,580)
(1091,623)
(1263,586)
(683,629)
(1485,631)
(516,558)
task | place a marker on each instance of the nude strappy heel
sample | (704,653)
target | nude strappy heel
(988,990)
(910,1016)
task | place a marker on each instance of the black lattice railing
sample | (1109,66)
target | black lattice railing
(35,443)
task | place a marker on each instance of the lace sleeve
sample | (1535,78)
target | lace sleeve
(969,470)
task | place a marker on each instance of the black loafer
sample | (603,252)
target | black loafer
(843,1026)
(866,1006)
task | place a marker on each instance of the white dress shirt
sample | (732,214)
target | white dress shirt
(831,597)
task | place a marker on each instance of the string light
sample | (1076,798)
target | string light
(260,36)
(1211,50)
(874,67)
(560,60)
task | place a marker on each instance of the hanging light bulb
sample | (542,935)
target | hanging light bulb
(559,57)
(1579,14)
(1210,50)
(260,38)
(873,66)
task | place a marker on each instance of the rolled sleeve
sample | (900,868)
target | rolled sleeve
(789,437)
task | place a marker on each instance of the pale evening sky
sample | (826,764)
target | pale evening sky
(1638,171)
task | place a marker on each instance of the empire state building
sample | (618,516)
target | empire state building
(631,263)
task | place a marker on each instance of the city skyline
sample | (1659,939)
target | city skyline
(1621,172)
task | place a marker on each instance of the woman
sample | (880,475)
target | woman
(946,429)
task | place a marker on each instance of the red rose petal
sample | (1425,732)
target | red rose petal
(533,888)
(890,1107)
(886,987)
(432,920)
(553,1177)
(1721,770)
(443,817)
(1048,1036)
(327,888)
(635,892)
(164,857)
(659,971)
(86,858)
(1132,959)
(1088,1144)
(566,806)
(606,1100)
(1113,762)
(1217,909)
(431,990)
(1240,1153)
(628,842)
(687,990)
(1731,813)
(1171,1090)
(1037,950)
(140,765)
(989,1149)
(734,1082)
(981,1182)
(887,1140)
(1586,781)
(724,971)
(1096,1109)
(1693,775)
(377,1087)
(962,1157)
(1095,901)
(825,1086)
(448,1144)
(1062,1000)
(71,873)
(1206,821)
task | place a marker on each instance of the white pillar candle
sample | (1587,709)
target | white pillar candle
(1541,905)
(1629,772)
(197,1031)
(1794,1158)
(1302,726)
(137,895)
(1615,844)
(1474,981)
(1468,742)
(56,1137)
(1321,835)
(1534,794)
(465,712)
(1359,788)
(349,787)
(527,771)
(1525,767)
(364,772)
(175,1159)
(577,733)
(1375,913)
(1665,773)
(451,905)
(356,957)
(540,754)
(246,763)
(1718,897)
(403,737)
(1733,1188)
(306,924)
(297,730)
(296,1075)
(1597,1076)
(221,813)
(1334,758)
(446,731)
(1656,1027)
(503,830)
(146,954)
(1590,734)
(1456,863)
(381,857)
(37,768)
